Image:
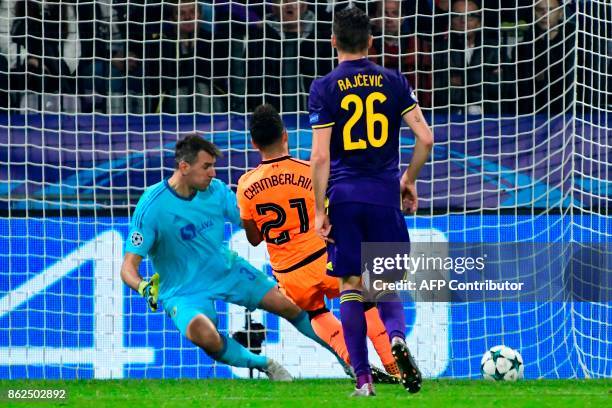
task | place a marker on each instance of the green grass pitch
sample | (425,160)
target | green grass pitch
(315,393)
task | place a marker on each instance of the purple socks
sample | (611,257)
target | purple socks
(352,315)
(364,379)
(391,311)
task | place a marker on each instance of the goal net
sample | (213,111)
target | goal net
(93,96)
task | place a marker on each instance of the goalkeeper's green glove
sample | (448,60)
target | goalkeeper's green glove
(149,290)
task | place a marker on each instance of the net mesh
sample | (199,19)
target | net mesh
(95,94)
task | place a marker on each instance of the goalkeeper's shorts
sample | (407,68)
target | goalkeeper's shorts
(244,285)
(307,286)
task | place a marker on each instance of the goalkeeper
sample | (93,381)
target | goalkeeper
(179,223)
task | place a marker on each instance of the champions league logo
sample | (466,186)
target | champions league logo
(136,239)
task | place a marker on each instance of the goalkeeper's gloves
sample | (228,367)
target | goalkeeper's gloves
(149,290)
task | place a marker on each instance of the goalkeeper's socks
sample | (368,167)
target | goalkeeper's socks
(379,338)
(234,354)
(391,311)
(355,329)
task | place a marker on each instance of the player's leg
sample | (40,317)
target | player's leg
(329,329)
(376,330)
(347,234)
(354,326)
(196,320)
(390,307)
(203,333)
(302,287)
(380,339)
(305,287)
(386,224)
(226,350)
(325,324)
(263,293)
(275,302)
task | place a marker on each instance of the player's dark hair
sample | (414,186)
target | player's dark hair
(352,30)
(266,126)
(187,149)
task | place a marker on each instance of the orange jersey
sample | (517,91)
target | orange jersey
(278,196)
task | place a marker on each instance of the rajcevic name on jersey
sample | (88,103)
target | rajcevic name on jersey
(363,103)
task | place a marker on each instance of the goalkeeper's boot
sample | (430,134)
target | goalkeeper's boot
(348,370)
(381,377)
(410,375)
(276,372)
(364,387)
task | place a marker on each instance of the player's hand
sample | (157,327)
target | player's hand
(410,199)
(150,290)
(323,227)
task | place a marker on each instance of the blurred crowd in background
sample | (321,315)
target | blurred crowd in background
(182,56)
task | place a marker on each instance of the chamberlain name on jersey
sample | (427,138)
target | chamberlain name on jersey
(184,237)
(283,209)
(363,103)
(277,180)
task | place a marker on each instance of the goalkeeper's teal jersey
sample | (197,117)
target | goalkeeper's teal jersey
(183,237)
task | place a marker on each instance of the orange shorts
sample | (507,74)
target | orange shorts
(308,285)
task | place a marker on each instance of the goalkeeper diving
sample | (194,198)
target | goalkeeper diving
(179,223)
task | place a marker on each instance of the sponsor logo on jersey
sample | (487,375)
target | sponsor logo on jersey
(190,231)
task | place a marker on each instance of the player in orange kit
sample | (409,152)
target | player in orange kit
(276,203)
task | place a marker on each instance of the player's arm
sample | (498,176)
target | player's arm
(141,239)
(252,232)
(246,217)
(424,143)
(319,168)
(131,277)
(129,270)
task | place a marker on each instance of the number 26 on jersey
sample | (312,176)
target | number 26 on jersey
(356,103)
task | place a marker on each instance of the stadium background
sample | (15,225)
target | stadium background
(517,158)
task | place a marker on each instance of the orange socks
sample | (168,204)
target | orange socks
(329,329)
(380,339)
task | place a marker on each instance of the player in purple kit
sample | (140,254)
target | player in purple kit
(355,113)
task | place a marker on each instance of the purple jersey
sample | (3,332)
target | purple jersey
(364,104)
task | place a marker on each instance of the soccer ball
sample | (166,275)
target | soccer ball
(502,363)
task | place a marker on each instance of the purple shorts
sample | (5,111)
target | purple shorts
(354,223)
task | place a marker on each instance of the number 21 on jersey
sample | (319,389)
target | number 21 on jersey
(281,217)
(355,102)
